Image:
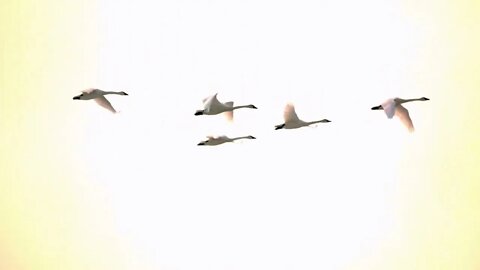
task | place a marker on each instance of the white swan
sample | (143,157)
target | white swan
(211,140)
(99,97)
(211,106)
(393,107)
(292,121)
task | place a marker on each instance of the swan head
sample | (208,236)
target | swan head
(325,121)
(424,99)
(123,93)
(199,112)
(251,106)
(379,107)
(277,127)
(251,137)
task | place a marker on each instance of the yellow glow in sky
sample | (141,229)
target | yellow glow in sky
(86,189)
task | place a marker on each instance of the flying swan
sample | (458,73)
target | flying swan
(393,107)
(211,140)
(211,106)
(292,121)
(99,97)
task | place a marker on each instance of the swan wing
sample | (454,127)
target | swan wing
(289,114)
(212,105)
(404,117)
(212,102)
(103,101)
(229,114)
(210,99)
(216,137)
(389,108)
(206,99)
(89,90)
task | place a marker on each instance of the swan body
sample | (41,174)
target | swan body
(393,107)
(211,106)
(292,121)
(211,140)
(99,97)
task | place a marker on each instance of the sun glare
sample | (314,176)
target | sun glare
(253,208)
(89,189)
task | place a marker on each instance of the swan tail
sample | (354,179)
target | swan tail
(229,114)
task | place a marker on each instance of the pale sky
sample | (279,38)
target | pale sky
(87,189)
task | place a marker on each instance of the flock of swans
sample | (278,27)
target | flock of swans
(212,106)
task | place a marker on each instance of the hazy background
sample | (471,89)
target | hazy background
(81,188)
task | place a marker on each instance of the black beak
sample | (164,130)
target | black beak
(254,107)
(377,107)
(327,121)
(198,113)
(279,127)
(77,97)
(201,143)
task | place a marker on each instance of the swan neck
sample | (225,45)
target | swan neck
(238,138)
(241,106)
(314,122)
(409,100)
(112,92)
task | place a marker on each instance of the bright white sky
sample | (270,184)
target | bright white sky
(312,198)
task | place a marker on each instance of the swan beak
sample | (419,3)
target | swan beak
(201,143)
(198,113)
(77,97)
(327,121)
(377,107)
(254,107)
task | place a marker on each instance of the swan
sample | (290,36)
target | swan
(393,107)
(211,140)
(99,97)
(211,106)
(292,121)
